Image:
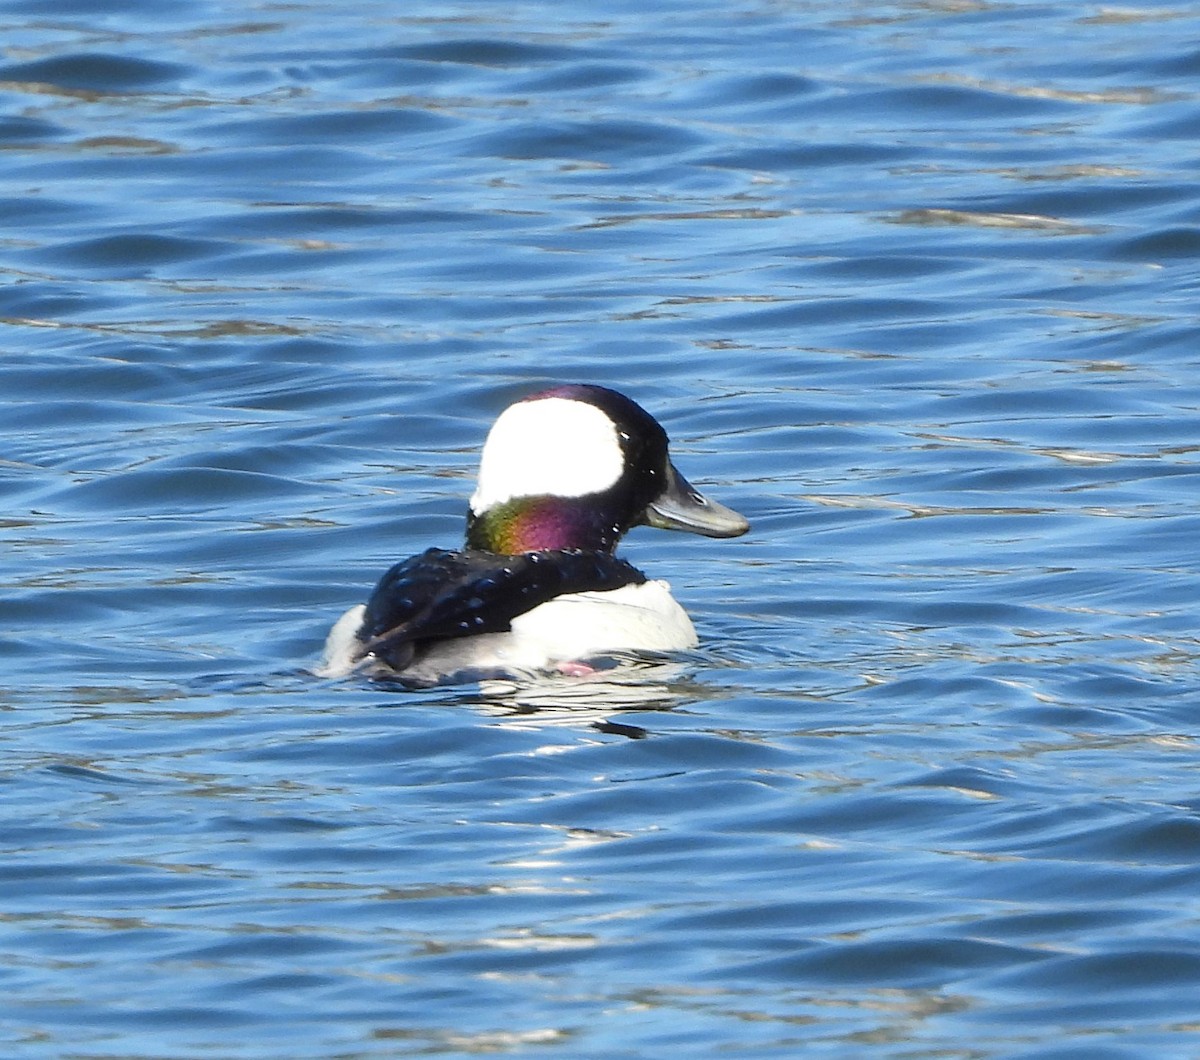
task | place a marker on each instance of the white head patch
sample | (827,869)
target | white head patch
(549,446)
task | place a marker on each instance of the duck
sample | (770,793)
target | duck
(537,587)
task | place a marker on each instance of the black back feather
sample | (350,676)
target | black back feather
(439,594)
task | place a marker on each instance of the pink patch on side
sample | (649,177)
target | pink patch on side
(576,669)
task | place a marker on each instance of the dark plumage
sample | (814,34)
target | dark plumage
(439,594)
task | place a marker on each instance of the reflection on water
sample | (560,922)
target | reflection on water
(917,296)
(593,699)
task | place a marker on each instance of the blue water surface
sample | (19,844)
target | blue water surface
(911,284)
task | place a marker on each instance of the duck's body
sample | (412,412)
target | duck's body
(563,475)
(555,635)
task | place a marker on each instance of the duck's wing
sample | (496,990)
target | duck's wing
(441,594)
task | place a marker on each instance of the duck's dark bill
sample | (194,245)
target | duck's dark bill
(682,507)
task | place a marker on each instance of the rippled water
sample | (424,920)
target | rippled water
(913,285)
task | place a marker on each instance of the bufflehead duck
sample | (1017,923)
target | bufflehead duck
(563,475)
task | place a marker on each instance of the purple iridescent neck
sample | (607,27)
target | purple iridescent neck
(532,524)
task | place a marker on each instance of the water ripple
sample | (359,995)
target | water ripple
(910,284)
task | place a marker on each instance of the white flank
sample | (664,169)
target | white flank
(550,446)
(568,628)
(642,617)
(342,647)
